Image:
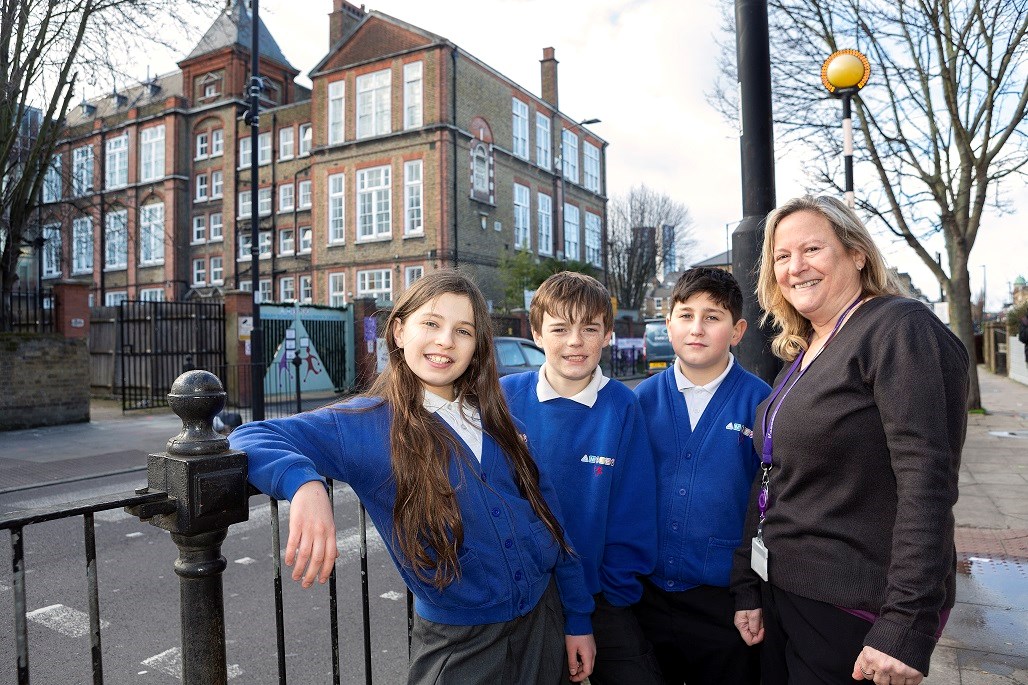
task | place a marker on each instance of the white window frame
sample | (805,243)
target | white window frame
(569,155)
(52,251)
(374,104)
(287,289)
(593,239)
(264,240)
(199,234)
(82,245)
(151,153)
(210,90)
(572,230)
(480,171)
(286,241)
(413,198)
(217,184)
(543,141)
(243,205)
(202,145)
(264,289)
(411,274)
(245,147)
(53,184)
(305,289)
(116,240)
(286,143)
(202,188)
(522,217)
(336,209)
(264,149)
(305,134)
(217,270)
(217,142)
(116,162)
(374,283)
(113,299)
(82,170)
(519,128)
(264,202)
(151,234)
(336,112)
(374,203)
(152,294)
(305,239)
(200,271)
(304,195)
(216,227)
(337,289)
(544,219)
(286,197)
(413,109)
(590,167)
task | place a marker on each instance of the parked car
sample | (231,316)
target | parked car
(515,355)
(657,347)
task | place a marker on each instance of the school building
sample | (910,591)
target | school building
(408,154)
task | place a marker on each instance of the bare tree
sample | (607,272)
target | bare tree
(646,230)
(47,49)
(941,124)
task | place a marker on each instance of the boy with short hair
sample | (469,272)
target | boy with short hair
(587,434)
(700,416)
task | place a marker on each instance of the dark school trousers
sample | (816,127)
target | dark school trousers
(806,641)
(694,636)
(528,650)
(623,654)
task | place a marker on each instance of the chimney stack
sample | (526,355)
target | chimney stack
(341,21)
(549,73)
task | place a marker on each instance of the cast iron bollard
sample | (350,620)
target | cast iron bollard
(206,486)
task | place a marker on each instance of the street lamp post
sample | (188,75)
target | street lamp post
(843,74)
(252,117)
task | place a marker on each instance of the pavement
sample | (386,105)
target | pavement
(985,642)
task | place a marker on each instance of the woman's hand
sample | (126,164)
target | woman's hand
(750,624)
(581,656)
(312,534)
(884,669)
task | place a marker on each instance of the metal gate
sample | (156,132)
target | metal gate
(329,330)
(161,339)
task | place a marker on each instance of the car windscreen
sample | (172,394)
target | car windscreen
(657,342)
(508,352)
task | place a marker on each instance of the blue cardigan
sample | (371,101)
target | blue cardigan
(508,556)
(704,476)
(600,459)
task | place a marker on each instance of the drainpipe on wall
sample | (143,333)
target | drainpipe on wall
(453,99)
(102,228)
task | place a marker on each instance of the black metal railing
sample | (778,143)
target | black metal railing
(196,490)
(27,311)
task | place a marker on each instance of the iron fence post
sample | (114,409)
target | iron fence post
(206,486)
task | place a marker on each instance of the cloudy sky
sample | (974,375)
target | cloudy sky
(642,67)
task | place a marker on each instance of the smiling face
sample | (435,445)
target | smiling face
(814,270)
(572,350)
(438,341)
(702,331)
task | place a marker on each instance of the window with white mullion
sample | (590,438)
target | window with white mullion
(544,216)
(593,231)
(151,234)
(52,251)
(374,200)
(53,184)
(412,98)
(542,140)
(82,170)
(377,283)
(571,230)
(413,220)
(285,143)
(151,153)
(336,104)
(336,209)
(373,104)
(116,240)
(286,197)
(522,212)
(569,154)
(82,245)
(591,167)
(519,124)
(116,163)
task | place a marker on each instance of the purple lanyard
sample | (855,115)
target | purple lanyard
(766,463)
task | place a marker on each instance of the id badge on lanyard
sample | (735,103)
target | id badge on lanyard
(759,554)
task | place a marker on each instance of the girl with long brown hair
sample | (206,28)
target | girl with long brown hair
(447,477)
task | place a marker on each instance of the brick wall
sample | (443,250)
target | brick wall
(45,379)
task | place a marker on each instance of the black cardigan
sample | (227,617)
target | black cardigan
(866,454)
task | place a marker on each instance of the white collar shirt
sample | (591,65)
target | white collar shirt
(587,396)
(465,422)
(697,397)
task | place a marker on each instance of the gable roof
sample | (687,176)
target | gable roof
(375,36)
(233,27)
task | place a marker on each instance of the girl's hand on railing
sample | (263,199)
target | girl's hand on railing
(311,548)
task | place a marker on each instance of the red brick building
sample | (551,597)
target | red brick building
(408,154)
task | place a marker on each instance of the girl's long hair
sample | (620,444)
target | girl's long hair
(793,328)
(426,514)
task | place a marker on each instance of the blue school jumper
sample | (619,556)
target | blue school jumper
(704,475)
(508,555)
(600,459)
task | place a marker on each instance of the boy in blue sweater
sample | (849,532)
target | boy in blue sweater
(700,418)
(588,435)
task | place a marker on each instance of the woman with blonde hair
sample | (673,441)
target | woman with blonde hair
(848,567)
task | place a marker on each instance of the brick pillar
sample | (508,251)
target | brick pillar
(72,309)
(238,303)
(364,357)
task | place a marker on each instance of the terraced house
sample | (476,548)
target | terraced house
(408,154)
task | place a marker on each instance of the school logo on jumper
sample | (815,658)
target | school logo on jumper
(741,428)
(599,461)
